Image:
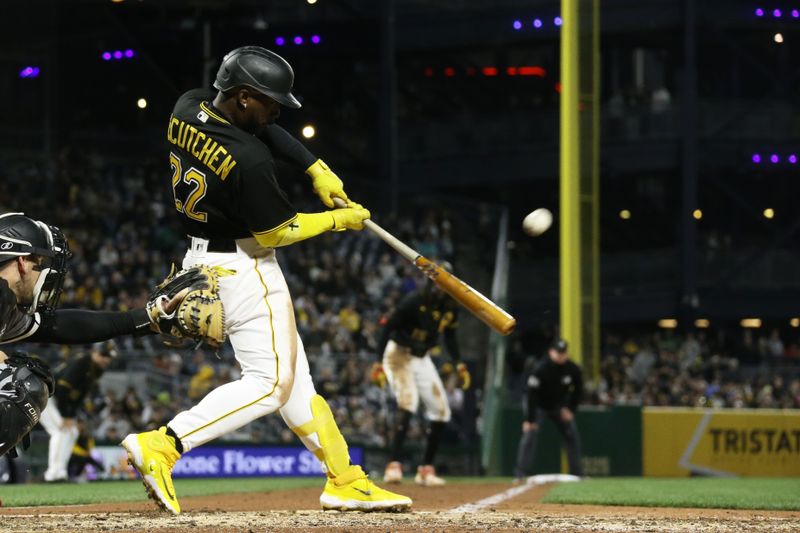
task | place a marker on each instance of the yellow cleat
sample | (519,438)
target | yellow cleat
(153,455)
(353,491)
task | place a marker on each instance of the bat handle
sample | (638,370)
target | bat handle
(402,248)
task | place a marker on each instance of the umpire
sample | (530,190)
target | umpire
(555,389)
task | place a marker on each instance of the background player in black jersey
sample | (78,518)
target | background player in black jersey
(33,263)
(411,332)
(74,378)
(555,388)
(222,151)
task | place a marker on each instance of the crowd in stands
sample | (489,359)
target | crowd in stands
(758,369)
(124,235)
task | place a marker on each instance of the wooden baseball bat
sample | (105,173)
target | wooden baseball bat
(475,302)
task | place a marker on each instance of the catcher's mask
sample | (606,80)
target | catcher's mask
(21,236)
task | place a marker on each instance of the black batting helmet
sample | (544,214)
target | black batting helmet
(260,69)
(21,236)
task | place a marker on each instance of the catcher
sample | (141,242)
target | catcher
(33,263)
(409,336)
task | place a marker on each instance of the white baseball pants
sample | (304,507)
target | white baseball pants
(62,440)
(413,378)
(259,318)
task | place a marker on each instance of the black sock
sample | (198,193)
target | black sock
(434,436)
(400,430)
(178,445)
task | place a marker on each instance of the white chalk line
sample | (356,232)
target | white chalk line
(531,482)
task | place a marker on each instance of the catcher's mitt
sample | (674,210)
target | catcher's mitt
(199,315)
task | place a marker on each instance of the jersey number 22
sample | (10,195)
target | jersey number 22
(190,177)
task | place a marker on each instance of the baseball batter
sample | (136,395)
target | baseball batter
(409,335)
(221,153)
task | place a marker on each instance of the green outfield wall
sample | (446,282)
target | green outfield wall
(611,441)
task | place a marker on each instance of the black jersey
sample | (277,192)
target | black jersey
(419,319)
(74,380)
(552,386)
(223,178)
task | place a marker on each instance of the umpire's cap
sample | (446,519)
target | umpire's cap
(559,345)
(260,69)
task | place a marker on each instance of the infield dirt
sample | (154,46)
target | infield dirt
(297,510)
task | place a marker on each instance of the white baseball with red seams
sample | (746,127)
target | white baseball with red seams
(537,222)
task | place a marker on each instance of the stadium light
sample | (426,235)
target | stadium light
(778,38)
(697,214)
(29,72)
(311,2)
(702,323)
(625,214)
(141,103)
(309,131)
(795,322)
(750,323)
(769,213)
(668,323)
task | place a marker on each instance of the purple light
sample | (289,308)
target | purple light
(793,159)
(537,23)
(26,72)
(517,25)
(776,13)
(756,158)
(280,41)
(557,21)
(106,56)
(117,54)
(34,72)
(759,12)
(795,13)
(315,39)
(128,53)
(298,40)
(774,158)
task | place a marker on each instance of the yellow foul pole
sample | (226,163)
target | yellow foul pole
(570,168)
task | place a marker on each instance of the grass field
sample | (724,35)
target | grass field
(125,491)
(721,493)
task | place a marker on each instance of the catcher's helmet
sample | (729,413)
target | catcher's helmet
(21,236)
(260,69)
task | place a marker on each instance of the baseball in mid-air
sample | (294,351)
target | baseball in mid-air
(537,222)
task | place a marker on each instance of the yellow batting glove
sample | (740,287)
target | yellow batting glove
(464,376)
(326,183)
(349,218)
